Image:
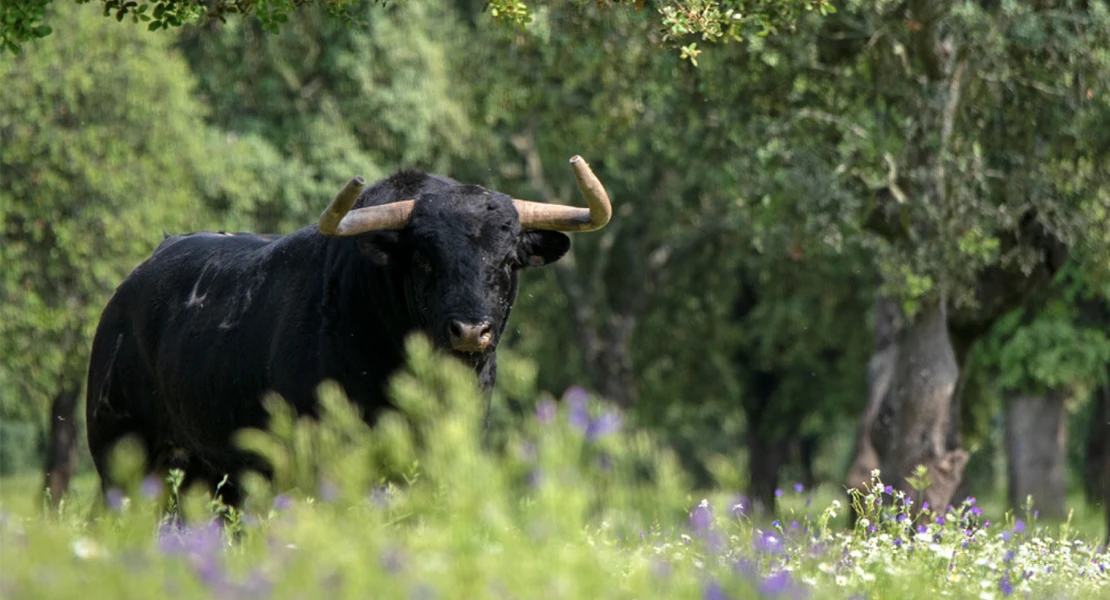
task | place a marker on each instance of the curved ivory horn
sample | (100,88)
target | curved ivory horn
(555,217)
(338,220)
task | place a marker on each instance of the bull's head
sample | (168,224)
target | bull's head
(459,248)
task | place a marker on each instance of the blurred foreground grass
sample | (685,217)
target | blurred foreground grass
(567,503)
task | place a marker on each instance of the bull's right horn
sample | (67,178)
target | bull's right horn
(338,220)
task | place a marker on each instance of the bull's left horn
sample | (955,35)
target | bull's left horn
(555,217)
(338,220)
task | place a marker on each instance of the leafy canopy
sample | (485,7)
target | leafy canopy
(713,20)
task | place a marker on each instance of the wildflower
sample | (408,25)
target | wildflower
(1019,526)
(768,542)
(798,487)
(713,591)
(780,583)
(282,502)
(1005,586)
(151,488)
(115,499)
(609,422)
(940,520)
(546,411)
(888,490)
(578,415)
(778,492)
(701,517)
(740,506)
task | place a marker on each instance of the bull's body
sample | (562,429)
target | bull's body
(194,339)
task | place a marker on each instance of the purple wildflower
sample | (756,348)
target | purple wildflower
(282,502)
(940,520)
(975,510)
(578,415)
(925,505)
(768,542)
(546,411)
(888,490)
(610,422)
(1009,556)
(778,492)
(741,506)
(898,542)
(922,529)
(701,518)
(114,497)
(1019,526)
(151,487)
(713,591)
(1005,586)
(744,566)
(798,487)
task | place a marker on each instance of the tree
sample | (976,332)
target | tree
(957,129)
(730,20)
(100,154)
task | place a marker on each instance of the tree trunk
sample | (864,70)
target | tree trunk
(765,460)
(1096,467)
(1036,427)
(880,372)
(912,424)
(61,449)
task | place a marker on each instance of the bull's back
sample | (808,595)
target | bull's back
(181,350)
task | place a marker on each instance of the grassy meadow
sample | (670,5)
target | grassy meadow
(569,502)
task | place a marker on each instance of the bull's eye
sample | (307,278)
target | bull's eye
(421,262)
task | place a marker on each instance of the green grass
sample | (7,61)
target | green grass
(565,504)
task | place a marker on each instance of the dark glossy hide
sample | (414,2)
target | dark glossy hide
(193,339)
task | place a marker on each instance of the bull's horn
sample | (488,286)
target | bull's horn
(537,215)
(338,220)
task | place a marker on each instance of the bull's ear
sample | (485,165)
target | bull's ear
(382,247)
(539,247)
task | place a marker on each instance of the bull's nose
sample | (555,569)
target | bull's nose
(470,337)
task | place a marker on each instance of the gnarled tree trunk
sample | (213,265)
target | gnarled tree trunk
(880,372)
(61,447)
(1036,429)
(912,424)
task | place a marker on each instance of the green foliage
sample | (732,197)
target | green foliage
(564,510)
(21,21)
(314,105)
(19,447)
(100,154)
(1056,347)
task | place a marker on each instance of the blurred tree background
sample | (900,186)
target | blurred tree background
(804,222)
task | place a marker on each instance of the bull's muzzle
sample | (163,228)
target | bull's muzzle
(470,337)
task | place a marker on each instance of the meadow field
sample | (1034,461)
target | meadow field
(569,502)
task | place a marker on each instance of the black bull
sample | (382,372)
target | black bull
(195,337)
